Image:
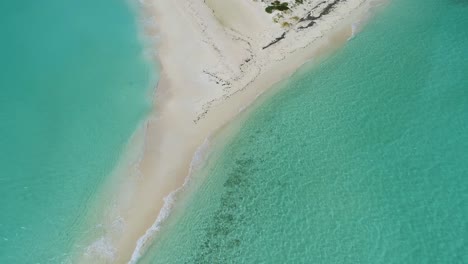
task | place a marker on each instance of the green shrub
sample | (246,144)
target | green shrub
(276,5)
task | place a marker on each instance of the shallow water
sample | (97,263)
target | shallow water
(74,86)
(361,159)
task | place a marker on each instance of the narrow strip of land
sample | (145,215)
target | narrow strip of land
(216,57)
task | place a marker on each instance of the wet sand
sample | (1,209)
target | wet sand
(215,60)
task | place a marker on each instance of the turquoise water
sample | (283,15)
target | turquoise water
(361,159)
(74,85)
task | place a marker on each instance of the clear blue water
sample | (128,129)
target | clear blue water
(361,159)
(74,85)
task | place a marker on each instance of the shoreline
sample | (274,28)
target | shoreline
(193,101)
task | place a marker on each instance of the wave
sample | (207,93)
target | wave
(374,6)
(144,241)
(102,248)
(354,29)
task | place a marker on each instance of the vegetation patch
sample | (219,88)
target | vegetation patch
(277,5)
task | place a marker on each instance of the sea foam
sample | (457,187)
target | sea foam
(169,201)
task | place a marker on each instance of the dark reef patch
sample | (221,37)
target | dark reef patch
(221,236)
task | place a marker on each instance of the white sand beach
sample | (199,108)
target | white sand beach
(216,57)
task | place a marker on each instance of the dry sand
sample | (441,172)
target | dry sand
(213,63)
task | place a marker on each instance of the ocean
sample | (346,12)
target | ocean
(75,84)
(362,158)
